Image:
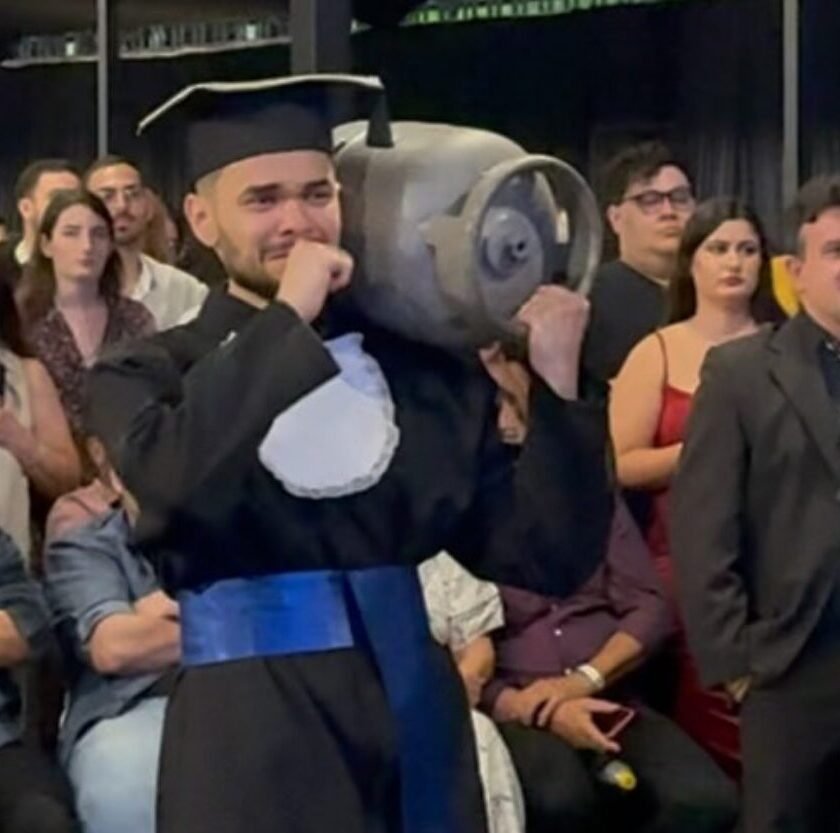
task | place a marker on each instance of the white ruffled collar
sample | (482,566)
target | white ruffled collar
(340,439)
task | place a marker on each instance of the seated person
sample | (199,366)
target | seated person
(34,794)
(37,455)
(124,636)
(554,661)
(462,612)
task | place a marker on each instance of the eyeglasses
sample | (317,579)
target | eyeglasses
(681,199)
(131,193)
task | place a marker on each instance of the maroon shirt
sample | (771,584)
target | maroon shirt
(547,637)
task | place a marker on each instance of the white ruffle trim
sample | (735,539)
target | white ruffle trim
(339,439)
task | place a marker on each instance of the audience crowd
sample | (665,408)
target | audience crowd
(618,678)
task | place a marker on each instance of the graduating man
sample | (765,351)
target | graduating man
(291,475)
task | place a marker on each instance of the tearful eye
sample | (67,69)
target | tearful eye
(318,197)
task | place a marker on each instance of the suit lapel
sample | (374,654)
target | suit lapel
(795,365)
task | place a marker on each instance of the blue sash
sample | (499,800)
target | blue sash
(293,613)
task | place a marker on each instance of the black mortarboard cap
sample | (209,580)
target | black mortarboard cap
(214,125)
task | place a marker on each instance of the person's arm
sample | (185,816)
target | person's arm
(125,644)
(539,515)
(181,444)
(14,649)
(620,654)
(572,719)
(476,662)
(24,618)
(707,505)
(635,405)
(46,452)
(637,599)
(509,706)
(87,588)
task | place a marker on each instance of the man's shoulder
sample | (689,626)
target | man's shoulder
(106,533)
(168,273)
(78,508)
(744,353)
(620,292)
(617,275)
(177,349)
(612,269)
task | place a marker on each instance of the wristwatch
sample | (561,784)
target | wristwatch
(593,675)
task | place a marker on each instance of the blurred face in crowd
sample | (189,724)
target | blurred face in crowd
(79,246)
(253,212)
(727,263)
(513,384)
(650,218)
(32,207)
(816,269)
(121,188)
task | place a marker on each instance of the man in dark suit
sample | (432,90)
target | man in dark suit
(756,537)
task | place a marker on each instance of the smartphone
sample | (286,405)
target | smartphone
(614,723)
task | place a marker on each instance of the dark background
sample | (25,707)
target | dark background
(704,74)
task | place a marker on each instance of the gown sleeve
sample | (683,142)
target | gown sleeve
(182,443)
(540,515)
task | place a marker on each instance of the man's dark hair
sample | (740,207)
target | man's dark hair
(109,161)
(31,175)
(636,163)
(817,195)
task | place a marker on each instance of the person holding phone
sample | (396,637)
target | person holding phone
(569,689)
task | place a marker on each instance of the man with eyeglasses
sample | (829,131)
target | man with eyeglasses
(649,199)
(168,293)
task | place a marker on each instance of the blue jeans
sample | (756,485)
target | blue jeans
(114,769)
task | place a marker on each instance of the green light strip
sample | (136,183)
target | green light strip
(475,11)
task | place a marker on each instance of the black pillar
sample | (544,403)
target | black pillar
(107,73)
(320,32)
(792,135)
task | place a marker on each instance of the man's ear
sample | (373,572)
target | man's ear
(26,208)
(202,219)
(793,265)
(614,218)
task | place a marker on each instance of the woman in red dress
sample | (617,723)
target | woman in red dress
(721,291)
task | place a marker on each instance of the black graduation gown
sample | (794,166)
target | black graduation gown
(305,743)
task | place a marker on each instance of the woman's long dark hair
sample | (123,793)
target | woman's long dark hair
(11,327)
(707,218)
(37,293)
